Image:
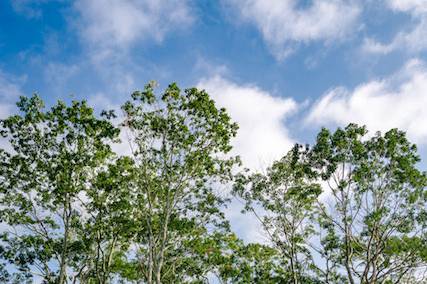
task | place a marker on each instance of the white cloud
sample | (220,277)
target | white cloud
(120,23)
(283,24)
(110,30)
(397,101)
(10,92)
(371,45)
(412,6)
(262,136)
(412,40)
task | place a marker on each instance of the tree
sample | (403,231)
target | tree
(370,221)
(43,182)
(109,227)
(72,211)
(375,212)
(249,263)
(283,201)
(179,144)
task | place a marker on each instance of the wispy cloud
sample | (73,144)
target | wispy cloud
(284,25)
(119,24)
(412,39)
(10,91)
(111,30)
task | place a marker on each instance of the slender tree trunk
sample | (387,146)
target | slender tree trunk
(149,267)
(160,258)
(294,273)
(63,263)
(347,245)
(293,261)
(327,270)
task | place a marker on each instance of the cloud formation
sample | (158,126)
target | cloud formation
(413,39)
(262,136)
(284,24)
(412,6)
(398,101)
(111,31)
(113,23)
(10,91)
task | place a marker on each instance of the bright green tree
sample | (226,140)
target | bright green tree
(283,201)
(44,179)
(375,205)
(108,228)
(241,263)
(74,212)
(179,143)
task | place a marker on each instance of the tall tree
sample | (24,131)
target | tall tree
(179,143)
(283,201)
(108,227)
(375,209)
(54,158)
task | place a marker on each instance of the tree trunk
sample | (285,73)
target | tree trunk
(63,263)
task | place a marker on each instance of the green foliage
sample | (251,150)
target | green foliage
(352,208)
(54,160)
(283,202)
(179,142)
(378,197)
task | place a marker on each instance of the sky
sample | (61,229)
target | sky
(282,68)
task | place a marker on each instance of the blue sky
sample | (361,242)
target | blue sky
(283,68)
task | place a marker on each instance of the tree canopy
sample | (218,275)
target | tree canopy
(351,208)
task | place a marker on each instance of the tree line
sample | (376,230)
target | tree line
(351,208)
